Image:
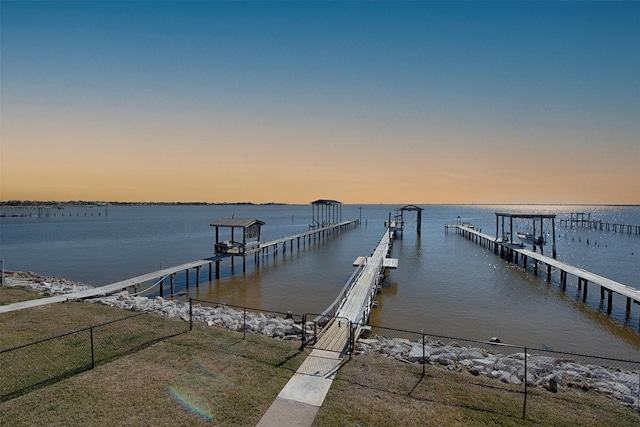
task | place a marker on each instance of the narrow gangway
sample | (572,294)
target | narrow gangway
(301,398)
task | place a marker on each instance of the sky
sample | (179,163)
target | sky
(362,102)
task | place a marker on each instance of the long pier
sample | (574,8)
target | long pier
(169,273)
(301,398)
(515,253)
(354,304)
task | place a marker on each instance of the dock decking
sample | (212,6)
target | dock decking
(107,289)
(356,305)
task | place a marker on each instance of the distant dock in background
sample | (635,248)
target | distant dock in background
(584,220)
(517,253)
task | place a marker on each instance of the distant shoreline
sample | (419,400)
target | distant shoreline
(72,203)
(56,204)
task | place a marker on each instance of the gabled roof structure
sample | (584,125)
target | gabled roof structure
(411,208)
(326,202)
(231,222)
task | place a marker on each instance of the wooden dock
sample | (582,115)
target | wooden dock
(517,253)
(354,306)
(169,273)
(275,246)
(112,288)
(584,220)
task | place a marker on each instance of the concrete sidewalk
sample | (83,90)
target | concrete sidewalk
(301,398)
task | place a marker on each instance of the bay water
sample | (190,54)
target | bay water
(445,284)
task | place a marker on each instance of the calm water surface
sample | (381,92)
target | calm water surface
(445,284)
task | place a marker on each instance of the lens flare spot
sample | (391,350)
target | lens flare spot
(192,402)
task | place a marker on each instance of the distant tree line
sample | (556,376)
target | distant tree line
(37,203)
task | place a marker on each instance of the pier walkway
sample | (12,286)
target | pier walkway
(170,272)
(107,289)
(514,251)
(301,398)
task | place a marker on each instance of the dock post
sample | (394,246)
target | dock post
(217,269)
(628,310)
(171,282)
(210,271)
(186,273)
(549,273)
(584,292)
(161,282)
(610,302)
(197,276)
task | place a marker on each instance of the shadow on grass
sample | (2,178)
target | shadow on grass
(85,367)
(389,389)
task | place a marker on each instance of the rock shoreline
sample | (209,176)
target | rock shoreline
(219,315)
(543,371)
(44,285)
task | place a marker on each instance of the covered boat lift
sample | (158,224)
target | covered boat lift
(325,212)
(507,237)
(249,241)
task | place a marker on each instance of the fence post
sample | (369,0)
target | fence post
(304,331)
(190,313)
(351,340)
(524,405)
(424,362)
(93,362)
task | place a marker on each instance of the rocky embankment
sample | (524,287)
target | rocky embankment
(545,371)
(219,315)
(44,285)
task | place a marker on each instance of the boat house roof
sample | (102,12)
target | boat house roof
(326,202)
(231,222)
(411,208)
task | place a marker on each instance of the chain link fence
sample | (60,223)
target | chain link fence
(518,373)
(43,362)
(525,378)
(283,326)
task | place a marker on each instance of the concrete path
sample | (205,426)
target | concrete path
(299,401)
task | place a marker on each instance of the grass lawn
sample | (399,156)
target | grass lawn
(211,376)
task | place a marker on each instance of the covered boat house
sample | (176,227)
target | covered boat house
(534,236)
(242,238)
(325,212)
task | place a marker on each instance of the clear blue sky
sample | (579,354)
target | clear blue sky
(308,99)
